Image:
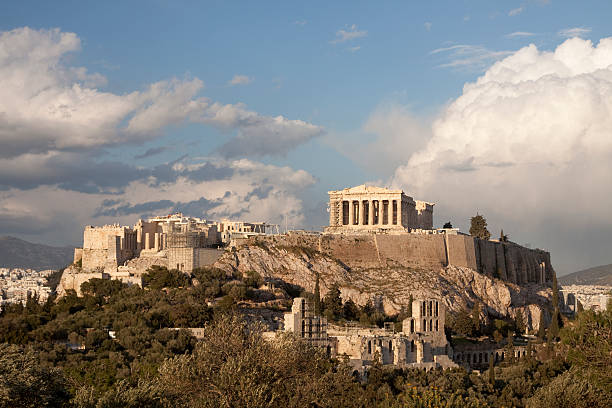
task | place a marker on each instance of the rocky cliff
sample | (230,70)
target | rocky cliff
(388,284)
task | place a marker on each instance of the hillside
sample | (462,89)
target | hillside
(598,275)
(387,284)
(17,253)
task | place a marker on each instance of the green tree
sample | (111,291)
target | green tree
(519,323)
(448,225)
(491,371)
(317,296)
(478,227)
(25,383)
(350,311)
(476,317)
(333,302)
(503,237)
(553,329)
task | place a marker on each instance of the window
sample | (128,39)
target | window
(369,347)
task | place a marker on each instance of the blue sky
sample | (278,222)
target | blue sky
(360,86)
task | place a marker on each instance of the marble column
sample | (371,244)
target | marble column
(399,212)
(371,212)
(351,212)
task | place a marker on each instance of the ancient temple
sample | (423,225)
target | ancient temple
(368,208)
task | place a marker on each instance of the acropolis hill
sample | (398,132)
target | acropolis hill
(380,246)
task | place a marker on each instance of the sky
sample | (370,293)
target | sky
(114,111)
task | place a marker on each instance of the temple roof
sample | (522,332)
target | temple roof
(364,189)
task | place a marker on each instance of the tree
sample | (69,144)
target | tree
(555,292)
(350,311)
(478,227)
(476,317)
(317,296)
(553,329)
(542,327)
(333,302)
(503,237)
(25,383)
(491,371)
(519,323)
(448,225)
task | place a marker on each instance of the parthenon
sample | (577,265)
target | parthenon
(365,208)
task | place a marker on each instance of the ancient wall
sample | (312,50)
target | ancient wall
(507,261)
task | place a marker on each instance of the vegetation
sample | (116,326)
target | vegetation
(120,346)
(478,227)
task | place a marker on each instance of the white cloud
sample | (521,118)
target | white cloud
(516,11)
(240,80)
(349,34)
(470,57)
(300,22)
(49,107)
(258,135)
(354,49)
(390,134)
(520,34)
(428,26)
(529,145)
(250,191)
(574,32)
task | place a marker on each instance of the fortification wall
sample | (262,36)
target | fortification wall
(507,261)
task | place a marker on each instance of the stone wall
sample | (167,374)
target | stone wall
(507,261)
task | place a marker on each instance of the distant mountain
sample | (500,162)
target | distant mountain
(17,253)
(599,275)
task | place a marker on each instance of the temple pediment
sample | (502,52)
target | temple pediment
(365,189)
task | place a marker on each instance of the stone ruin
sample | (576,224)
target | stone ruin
(421,343)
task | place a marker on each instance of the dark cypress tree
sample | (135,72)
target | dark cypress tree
(476,318)
(519,323)
(317,296)
(478,227)
(555,293)
(542,328)
(491,370)
(553,330)
(333,302)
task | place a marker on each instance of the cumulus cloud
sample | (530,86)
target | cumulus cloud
(428,26)
(528,143)
(348,34)
(466,56)
(209,188)
(574,32)
(258,135)
(55,121)
(389,135)
(240,80)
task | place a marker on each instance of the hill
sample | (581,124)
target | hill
(17,253)
(598,275)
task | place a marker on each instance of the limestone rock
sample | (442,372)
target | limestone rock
(390,287)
